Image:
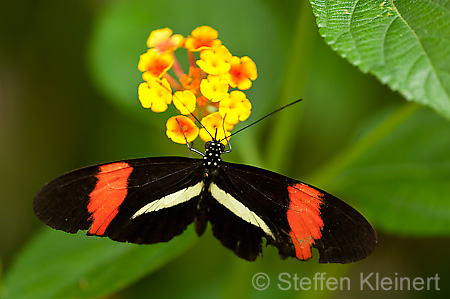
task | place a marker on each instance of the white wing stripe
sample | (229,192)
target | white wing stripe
(238,208)
(171,200)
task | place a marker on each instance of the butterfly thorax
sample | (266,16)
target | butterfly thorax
(212,158)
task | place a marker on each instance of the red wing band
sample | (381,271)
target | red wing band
(171,200)
(238,208)
(304,218)
(108,195)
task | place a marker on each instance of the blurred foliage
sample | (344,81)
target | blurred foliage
(68,82)
(93,264)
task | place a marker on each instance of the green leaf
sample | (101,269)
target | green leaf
(398,173)
(59,265)
(405,44)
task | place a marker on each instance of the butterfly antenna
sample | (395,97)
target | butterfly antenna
(273,112)
(187,142)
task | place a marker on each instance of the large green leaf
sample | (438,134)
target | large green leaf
(58,265)
(405,44)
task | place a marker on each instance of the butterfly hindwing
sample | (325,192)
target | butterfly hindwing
(128,201)
(242,236)
(298,216)
(234,233)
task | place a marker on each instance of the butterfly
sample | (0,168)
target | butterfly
(151,200)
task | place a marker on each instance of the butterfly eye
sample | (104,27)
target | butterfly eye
(207,144)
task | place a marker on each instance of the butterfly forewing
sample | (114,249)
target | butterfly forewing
(104,198)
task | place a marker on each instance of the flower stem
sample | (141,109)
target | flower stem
(191,59)
(173,82)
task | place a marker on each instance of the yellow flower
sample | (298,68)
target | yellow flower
(185,101)
(175,132)
(162,40)
(154,64)
(242,72)
(213,125)
(214,88)
(235,108)
(203,92)
(202,37)
(155,94)
(214,61)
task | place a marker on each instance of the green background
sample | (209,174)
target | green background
(68,98)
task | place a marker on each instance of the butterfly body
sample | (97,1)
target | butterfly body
(152,200)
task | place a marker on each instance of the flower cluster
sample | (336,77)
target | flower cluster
(211,91)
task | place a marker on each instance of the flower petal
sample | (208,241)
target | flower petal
(185,101)
(235,108)
(181,128)
(163,41)
(155,94)
(242,72)
(203,37)
(214,88)
(213,126)
(155,64)
(214,61)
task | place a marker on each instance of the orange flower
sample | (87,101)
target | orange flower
(177,125)
(202,37)
(155,94)
(162,40)
(154,64)
(242,72)
(192,81)
(202,102)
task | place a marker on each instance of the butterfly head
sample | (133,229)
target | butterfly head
(213,151)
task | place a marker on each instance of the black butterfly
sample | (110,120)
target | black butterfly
(151,200)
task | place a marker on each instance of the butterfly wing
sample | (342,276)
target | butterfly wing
(293,216)
(141,201)
(154,199)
